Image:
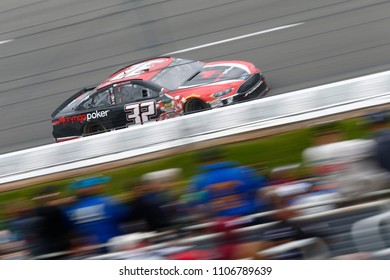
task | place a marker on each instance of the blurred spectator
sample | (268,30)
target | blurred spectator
(287,183)
(284,231)
(156,200)
(378,125)
(190,206)
(342,166)
(231,244)
(96,217)
(225,188)
(147,205)
(289,191)
(302,191)
(55,228)
(324,158)
(163,185)
(25,225)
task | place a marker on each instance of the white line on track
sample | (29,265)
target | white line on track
(235,38)
(6,41)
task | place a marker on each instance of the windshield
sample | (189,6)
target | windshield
(177,73)
(73,103)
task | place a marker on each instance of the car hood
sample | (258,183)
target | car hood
(220,73)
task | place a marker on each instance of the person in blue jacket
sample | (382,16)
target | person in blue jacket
(95,217)
(224,188)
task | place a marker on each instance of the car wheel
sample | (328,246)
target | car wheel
(195,105)
(94,128)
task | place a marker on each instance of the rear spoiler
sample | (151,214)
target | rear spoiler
(70,99)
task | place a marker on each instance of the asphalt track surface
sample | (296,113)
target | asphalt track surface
(51,48)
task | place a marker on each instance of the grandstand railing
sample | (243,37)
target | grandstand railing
(370,207)
(342,230)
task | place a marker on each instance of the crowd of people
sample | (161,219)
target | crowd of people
(221,192)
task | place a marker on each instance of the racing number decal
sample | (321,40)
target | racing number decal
(138,113)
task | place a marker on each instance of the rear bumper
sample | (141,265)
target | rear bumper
(63,132)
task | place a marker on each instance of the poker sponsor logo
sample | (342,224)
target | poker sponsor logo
(97,115)
(73,119)
(84,117)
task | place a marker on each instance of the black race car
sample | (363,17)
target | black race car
(92,110)
(156,89)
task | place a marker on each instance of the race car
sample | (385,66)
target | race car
(153,90)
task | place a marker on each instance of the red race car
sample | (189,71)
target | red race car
(156,89)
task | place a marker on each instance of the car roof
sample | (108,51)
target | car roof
(143,70)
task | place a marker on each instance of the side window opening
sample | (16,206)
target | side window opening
(136,92)
(145,93)
(119,94)
(123,93)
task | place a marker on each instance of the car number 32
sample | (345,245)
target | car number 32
(138,113)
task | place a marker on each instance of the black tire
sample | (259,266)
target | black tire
(94,128)
(195,105)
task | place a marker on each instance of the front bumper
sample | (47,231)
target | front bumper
(258,91)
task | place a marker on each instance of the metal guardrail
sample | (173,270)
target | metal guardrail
(273,111)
